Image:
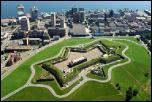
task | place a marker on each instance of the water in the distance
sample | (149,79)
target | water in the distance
(8,8)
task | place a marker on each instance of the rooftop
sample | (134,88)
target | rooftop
(18,47)
(78,28)
(7,20)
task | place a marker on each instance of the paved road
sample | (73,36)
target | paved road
(7,40)
(145,46)
(85,79)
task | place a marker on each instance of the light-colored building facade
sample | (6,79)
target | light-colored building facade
(25,23)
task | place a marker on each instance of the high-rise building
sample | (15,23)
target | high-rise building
(105,19)
(81,16)
(53,19)
(20,10)
(62,22)
(81,9)
(25,24)
(74,10)
(78,17)
(34,13)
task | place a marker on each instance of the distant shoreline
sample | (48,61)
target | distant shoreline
(50,11)
(57,6)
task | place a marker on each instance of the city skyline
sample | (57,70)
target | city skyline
(55,51)
(59,5)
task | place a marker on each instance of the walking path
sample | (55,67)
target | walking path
(16,65)
(84,73)
(145,46)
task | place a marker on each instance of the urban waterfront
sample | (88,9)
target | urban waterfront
(9,8)
(67,51)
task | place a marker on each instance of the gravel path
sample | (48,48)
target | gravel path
(83,74)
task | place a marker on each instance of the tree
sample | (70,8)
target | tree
(118,88)
(135,92)
(117,84)
(129,94)
(146,74)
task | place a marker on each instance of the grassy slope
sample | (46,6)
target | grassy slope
(21,74)
(109,44)
(94,87)
(133,74)
(52,83)
(128,78)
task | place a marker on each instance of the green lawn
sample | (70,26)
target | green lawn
(52,83)
(133,73)
(20,76)
(89,91)
(129,38)
(127,75)
(106,67)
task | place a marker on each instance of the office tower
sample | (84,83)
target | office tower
(74,10)
(78,17)
(81,16)
(62,22)
(81,9)
(53,19)
(20,10)
(34,13)
(25,24)
(105,19)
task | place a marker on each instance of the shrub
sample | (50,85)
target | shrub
(117,84)
(135,92)
(129,94)
(146,74)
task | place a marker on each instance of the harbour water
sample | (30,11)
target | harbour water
(8,8)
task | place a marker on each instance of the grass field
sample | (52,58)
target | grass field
(91,88)
(134,73)
(52,83)
(127,75)
(109,44)
(20,76)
